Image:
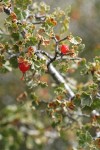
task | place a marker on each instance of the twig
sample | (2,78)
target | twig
(55,39)
(52,59)
(44,53)
(40,17)
(56,52)
(39,44)
(71,118)
(65,38)
(39,22)
(68,58)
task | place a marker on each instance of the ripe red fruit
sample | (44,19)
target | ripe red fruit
(64,49)
(24,66)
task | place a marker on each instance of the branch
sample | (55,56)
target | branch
(65,38)
(40,17)
(68,58)
(52,59)
(52,70)
(56,75)
(39,22)
(39,44)
(44,53)
(56,52)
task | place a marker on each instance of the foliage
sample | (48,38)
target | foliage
(30,43)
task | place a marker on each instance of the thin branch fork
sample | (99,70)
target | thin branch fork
(44,53)
(56,51)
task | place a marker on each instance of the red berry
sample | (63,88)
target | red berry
(64,49)
(24,66)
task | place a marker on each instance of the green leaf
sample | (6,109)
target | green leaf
(83,62)
(81,47)
(54,124)
(96,103)
(5,67)
(97,58)
(84,138)
(60,89)
(13,62)
(86,99)
(32,41)
(43,7)
(15,36)
(42,84)
(75,40)
(77,101)
(16,48)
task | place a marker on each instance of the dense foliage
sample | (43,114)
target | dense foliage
(37,43)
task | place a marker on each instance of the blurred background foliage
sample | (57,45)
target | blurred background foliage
(23,127)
